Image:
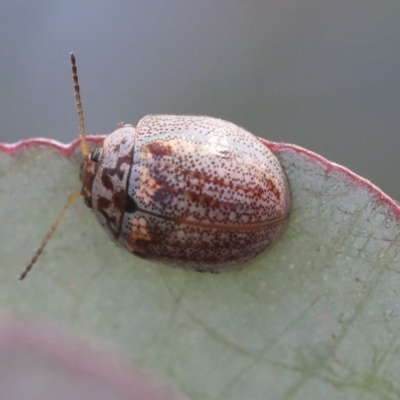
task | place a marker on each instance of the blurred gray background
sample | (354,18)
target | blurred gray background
(321,74)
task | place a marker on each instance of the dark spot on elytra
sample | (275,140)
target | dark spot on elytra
(130,205)
(160,149)
(162,195)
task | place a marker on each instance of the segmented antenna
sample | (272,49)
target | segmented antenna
(71,198)
(84,148)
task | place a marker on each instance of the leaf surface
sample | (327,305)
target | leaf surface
(317,316)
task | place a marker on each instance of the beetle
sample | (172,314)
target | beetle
(190,191)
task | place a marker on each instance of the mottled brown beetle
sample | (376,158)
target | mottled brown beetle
(190,191)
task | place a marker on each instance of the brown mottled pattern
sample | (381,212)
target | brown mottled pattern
(111,179)
(203,194)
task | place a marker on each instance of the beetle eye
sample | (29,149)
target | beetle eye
(96,154)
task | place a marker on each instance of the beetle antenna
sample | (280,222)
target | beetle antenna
(84,148)
(71,198)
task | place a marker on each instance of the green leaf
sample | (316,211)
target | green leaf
(317,316)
